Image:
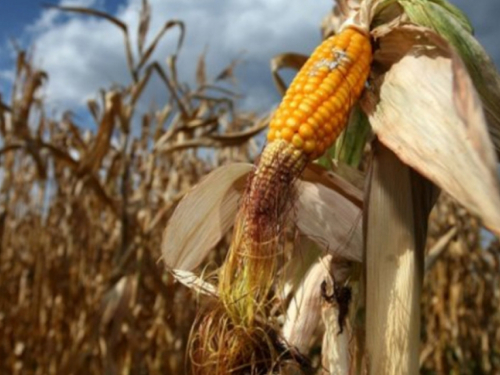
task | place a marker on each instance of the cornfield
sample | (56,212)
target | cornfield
(82,216)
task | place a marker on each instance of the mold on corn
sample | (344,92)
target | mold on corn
(316,106)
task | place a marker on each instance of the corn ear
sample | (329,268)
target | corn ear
(316,106)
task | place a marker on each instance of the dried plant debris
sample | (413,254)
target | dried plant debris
(82,214)
(83,217)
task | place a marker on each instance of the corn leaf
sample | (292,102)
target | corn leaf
(144,21)
(91,161)
(285,61)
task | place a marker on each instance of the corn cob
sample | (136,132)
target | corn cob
(238,336)
(315,107)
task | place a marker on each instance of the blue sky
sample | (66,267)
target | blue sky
(83,53)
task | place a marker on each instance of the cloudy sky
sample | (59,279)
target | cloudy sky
(82,54)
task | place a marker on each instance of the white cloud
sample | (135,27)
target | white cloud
(82,54)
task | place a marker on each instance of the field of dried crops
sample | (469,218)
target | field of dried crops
(83,289)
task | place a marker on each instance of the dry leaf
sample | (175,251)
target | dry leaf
(201,76)
(144,20)
(228,72)
(91,162)
(336,353)
(195,283)
(168,25)
(304,312)
(416,115)
(204,215)
(330,220)
(282,61)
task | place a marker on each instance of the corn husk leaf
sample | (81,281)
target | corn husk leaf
(427,111)
(350,146)
(336,355)
(307,253)
(342,179)
(435,13)
(304,312)
(208,211)
(330,220)
(452,24)
(204,215)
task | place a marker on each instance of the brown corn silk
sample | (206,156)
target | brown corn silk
(311,116)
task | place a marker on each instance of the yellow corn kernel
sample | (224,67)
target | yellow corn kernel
(306,132)
(317,104)
(309,146)
(306,108)
(287,134)
(292,123)
(271,135)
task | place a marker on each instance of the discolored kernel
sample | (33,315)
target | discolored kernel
(297,141)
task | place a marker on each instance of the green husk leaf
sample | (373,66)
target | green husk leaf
(351,145)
